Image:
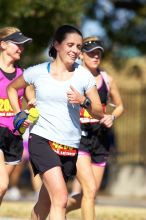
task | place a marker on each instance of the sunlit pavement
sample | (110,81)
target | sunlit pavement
(121,201)
(108,208)
(109,201)
(104,200)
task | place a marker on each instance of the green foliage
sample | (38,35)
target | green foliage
(40,18)
(124,22)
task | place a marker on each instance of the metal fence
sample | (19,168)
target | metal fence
(130,129)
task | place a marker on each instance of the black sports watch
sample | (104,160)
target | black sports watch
(86,103)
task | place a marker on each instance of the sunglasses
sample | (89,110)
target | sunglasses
(91,45)
(92,42)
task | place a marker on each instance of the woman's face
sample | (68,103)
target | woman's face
(70,48)
(92,59)
(12,50)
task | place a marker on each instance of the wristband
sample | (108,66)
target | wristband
(86,103)
(113,117)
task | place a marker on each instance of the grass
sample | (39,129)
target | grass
(21,210)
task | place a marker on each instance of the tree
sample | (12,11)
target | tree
(124,22)
(40,18)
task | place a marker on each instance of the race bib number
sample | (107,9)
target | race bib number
(5,108)
(63,150)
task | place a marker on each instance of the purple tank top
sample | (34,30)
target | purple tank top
(6,111)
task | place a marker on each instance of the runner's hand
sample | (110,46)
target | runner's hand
(74,97)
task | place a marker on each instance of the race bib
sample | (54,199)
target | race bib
(63,150)
(84,113)
(85,117)
(5,107)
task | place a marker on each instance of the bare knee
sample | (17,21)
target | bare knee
(90,191)
(60,199)
(3,189)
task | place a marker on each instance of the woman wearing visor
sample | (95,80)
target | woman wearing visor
(11,146)
(94,146)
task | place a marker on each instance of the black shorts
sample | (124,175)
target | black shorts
(43,158)
(11,145)
(96,142)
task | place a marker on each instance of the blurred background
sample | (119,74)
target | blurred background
(121,24)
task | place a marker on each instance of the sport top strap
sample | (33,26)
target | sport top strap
(106,79)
